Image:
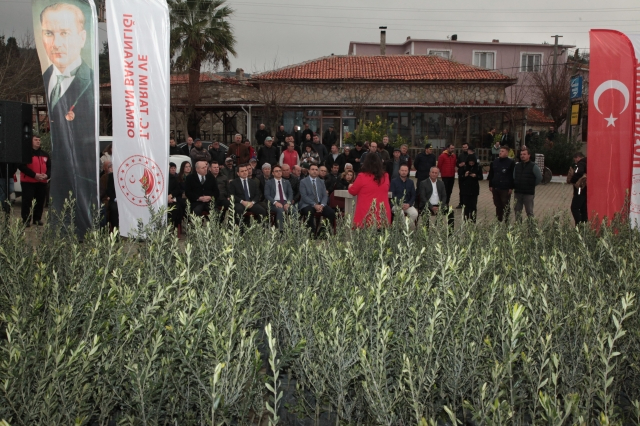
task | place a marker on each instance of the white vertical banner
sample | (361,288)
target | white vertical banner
(634,199)
(138,33)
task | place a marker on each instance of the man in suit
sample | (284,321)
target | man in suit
(69,88)
(279,195)
(201,189)
(314,198)
(432,192)
(246,194)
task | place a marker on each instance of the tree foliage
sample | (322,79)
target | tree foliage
(20,74)
(201,34)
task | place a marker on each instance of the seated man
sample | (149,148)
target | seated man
(227,171)
(403,193)
(246,194)
(201,189)
(432,192)
(264,176)
(314,198)
(295,183)
(279,195)
(223,200)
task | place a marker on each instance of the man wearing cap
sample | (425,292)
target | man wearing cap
(423,163)
(227,171)
(269,153)
(329,138)
(198,153)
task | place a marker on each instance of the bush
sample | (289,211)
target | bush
(525,324)
(558,156)
(373,131)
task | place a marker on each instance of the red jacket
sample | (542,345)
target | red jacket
(40,163)
(447,164)
(367,190)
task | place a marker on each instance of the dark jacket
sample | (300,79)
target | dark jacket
(462,159)
(200,154)
(426,190)
(270,155)
(330,182)
(488,140)
(304,134)
(329,138)
(280,137)
(194,189)
(470,185)
(222,182)
(341,184)
(501,173)
(579,169)
(353,155)
(525,177)
(174,187)
(321,150)
(174,150)
(261,135)
(423,164)
(403,192)
(295,186)
(237,191)
(340,160)
(218,155)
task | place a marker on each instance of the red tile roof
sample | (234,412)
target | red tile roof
(537,116)
(383,68)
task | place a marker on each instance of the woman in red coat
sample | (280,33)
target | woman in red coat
(371,185)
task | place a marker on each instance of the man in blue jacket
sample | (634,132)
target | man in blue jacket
(403,194)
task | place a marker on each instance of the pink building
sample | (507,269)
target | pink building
(517,60)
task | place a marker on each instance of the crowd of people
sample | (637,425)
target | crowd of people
(300,174)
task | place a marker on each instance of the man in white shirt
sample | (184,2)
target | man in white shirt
(432,192)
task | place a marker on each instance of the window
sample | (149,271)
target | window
(531,62)
(442,53)
(484,59)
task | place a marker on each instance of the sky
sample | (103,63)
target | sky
(277,33)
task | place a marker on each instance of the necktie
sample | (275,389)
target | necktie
(55,93)
(280,191)
(246,190)
(315,190)
(201,180)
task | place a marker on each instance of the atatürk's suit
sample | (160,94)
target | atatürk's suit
(74,148)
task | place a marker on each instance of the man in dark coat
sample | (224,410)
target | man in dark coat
(69,88)
(218,154)
(526,176)
(501,183)
(201,189)
(281,135)
(329,138)
(423,163)
(261,134)
(246,195)
(268,153)
(579,180)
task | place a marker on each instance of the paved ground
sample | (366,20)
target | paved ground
(549,200)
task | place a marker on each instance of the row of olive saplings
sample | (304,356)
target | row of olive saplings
(465,355)
(148,353)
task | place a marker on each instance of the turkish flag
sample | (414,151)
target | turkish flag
(612,97)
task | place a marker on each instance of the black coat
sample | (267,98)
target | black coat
(270,155)
(261,135)
(341,160)
(194,189)
(237,191)
(218,155)
(174,187)
(295,186)
(423,164)
(501,173)
(470,185)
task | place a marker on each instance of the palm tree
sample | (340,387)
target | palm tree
(200,34)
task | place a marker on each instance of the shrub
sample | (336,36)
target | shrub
(491,324)
(558,156)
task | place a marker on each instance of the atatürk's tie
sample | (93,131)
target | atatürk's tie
(246,190)
(55,93)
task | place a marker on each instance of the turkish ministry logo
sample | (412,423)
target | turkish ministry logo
(140,180)
(611,85)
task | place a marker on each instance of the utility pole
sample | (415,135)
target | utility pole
(555,59)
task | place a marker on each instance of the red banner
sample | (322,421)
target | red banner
(612,99)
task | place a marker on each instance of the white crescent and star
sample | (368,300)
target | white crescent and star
(613,85)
